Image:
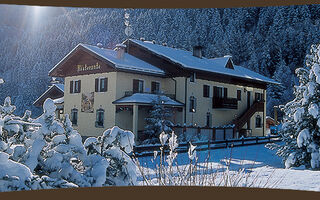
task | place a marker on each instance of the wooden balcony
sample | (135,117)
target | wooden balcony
(226,103)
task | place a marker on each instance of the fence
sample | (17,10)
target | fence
(194,134)
(148,150)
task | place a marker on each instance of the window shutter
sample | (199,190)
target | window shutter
(135,86)
(105,84)
(101,85)
(71,87)
(79,86)
(153,87)
(239,95)
(215,91)
(225,92)
(206,90)
(191,104)
(96,85)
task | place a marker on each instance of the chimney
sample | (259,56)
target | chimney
(120,49)
(197,51)
(99,45)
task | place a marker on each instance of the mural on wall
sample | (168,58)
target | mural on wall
(87,102)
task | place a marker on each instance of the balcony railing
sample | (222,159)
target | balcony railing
(227,103)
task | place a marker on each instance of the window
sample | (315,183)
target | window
(75,86)
(99,118)
(101,84)
(193,104)
(155,87)
(239,95)
(208,119)
(74,116)
(219,92)
(137,86)
(258,96)
(193,77)
(258,121)
(206,90)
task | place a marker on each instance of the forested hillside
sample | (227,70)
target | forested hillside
(269,40)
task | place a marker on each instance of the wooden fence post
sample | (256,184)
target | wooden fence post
(256,139)
(226,143)
(224,134)
(214,134)
(242,140)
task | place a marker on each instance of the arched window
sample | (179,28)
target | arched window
(74,116)
(100,118)
(258,121)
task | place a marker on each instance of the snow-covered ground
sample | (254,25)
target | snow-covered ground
(260,164)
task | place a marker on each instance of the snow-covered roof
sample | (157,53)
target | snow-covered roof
(215,65)
(128,62)
(60,86)
(59,100)
(145,98)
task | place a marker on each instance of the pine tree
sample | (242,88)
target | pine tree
(158,121)
(301,128)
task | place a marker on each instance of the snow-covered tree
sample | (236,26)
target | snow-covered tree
(49,154)
(158,120)
(301,127)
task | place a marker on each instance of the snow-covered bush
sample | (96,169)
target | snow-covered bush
(301,127)
(46,153)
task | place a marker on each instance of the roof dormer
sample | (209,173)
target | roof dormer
(229,63)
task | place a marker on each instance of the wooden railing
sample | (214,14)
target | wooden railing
(228,103)
(257,106)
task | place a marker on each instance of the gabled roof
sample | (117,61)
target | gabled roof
(146,98)
(215,65)
(60,86)
(57,86)
(127,63)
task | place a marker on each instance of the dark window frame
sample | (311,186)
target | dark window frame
(208,119)
(193,77)
(99,123)
(155,87)
(218,92)
(136,86)
(101,84)
(192,104)
(75,86)
(258,96)
(206,91)
(74,116)
(258,121)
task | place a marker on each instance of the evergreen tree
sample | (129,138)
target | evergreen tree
(301,128)
(158,121)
